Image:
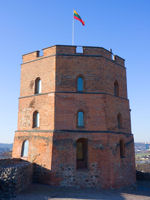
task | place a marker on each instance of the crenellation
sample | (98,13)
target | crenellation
(99,51)
(74,115)
(49,51)
(72,50)
(119,60)
(62,49)
(30,56)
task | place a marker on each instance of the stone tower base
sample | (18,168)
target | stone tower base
(54,158)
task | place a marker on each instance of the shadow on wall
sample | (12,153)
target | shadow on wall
(19,175)
(46,192)
(142,176)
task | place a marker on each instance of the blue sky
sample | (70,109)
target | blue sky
(30,25)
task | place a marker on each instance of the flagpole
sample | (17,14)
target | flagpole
(73,29)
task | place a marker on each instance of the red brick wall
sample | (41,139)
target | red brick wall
(52,146)
(40,147)
(99,74)
(105,167)
(43,68)
(44,104)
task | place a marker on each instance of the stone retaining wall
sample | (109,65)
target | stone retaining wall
(143,171)
(15,176)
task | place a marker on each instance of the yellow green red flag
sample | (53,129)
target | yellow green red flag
(77,16)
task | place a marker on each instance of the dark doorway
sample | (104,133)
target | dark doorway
(81,153)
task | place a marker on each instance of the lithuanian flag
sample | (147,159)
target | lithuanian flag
(77,16)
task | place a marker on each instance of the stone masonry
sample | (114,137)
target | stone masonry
(53,145)
(15,176)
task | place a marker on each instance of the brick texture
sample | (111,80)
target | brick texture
(52,145)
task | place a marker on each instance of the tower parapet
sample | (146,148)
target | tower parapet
(72,50)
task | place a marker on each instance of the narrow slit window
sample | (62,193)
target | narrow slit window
(119,120)
(36,119)
(80,119)
(25,147)
(116,88)
(80,84)
(122,149)
(38,86)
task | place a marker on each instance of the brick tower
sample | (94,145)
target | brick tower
(74,118)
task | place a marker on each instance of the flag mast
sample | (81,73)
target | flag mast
(75,16)
(73,29)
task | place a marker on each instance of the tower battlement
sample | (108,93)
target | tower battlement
(74,117)
(73,50)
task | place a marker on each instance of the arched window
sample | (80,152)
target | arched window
(36,119)
(80,84)
(81,153)
(122,149)
(119,120)
(37,85)
(116,89)
(80,120)
(25,147)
